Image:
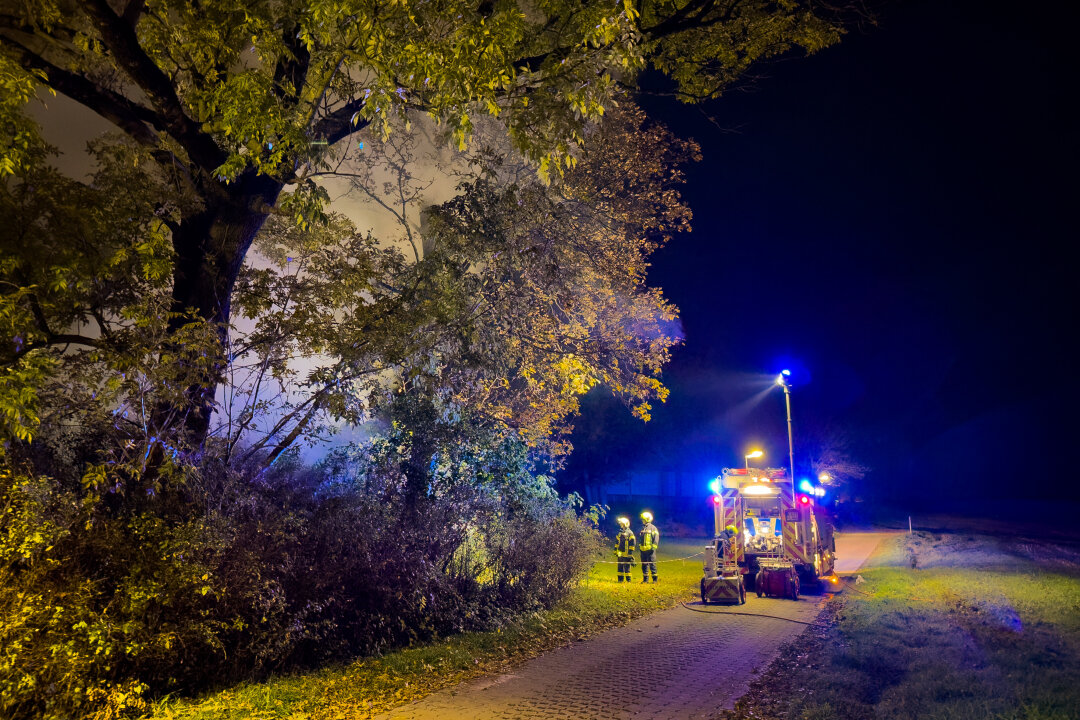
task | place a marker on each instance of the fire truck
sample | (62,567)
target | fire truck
(763,525)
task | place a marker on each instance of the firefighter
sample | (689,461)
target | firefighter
(648,541)
(624,549)
(727,539)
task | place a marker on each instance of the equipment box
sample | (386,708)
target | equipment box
(728,590)
(777,580)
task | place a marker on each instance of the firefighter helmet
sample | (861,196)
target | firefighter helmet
(623,522)
(646,516)
(730,529)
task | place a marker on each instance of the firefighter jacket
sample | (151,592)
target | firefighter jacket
(649,538)
(624,543)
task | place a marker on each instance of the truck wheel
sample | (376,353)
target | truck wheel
(758,584)
(703,600)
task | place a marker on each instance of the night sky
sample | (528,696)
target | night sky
(890,219)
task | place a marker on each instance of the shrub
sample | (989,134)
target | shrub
(114,590)
(97,600)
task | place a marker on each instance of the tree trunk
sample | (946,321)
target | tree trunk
(210,250)
(418,469)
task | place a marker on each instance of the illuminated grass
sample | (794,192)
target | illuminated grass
(984,630)
(373,685)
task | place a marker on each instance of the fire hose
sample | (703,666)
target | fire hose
(749,614)
(764,615)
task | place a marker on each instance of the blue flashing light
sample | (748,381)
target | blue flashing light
(806,486)
(785,372)
(715,486)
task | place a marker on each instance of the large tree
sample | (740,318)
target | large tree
(233,109)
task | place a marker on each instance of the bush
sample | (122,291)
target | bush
(95,602)
(113,590)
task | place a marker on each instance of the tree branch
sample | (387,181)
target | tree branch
(338,124)
(133,11)
(313,400)
(291,437)
(64,339)
(292,66)
(129,116)
(11,22)
(123,43)
(688,17)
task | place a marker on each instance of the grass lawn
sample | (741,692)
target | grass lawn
(372,685)
(981,628)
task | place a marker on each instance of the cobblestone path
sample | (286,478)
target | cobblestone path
(672,665)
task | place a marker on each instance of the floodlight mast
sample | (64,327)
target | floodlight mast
(781,380)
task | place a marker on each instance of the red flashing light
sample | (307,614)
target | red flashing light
(804,500)
(716,499)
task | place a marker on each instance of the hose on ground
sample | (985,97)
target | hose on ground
(848,585)
(750,614)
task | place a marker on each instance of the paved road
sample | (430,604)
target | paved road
(672,665)
(853,549)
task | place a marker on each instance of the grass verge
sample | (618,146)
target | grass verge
(948,627)
(373,685)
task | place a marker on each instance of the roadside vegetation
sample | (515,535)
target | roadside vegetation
(944,627)
(104,605)
(373,685)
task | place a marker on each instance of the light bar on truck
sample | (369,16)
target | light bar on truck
(758,490)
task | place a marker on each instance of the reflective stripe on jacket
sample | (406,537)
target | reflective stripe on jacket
(624,542)
(650,538)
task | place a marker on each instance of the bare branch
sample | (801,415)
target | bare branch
(314,399)
(291,437)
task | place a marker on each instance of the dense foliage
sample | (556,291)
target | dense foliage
(108,593)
